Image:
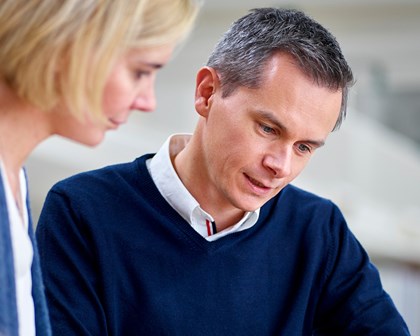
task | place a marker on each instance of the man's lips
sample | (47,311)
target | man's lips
(258,184)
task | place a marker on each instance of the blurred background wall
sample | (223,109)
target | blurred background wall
(371,167)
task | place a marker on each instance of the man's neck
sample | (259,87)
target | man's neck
(190,168)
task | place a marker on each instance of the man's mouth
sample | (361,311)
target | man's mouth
(257,183)
(259,187)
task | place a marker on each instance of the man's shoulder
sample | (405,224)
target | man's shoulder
(293,200)
(295,193)
(108,177)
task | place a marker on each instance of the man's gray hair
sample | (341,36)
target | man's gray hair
(241,55)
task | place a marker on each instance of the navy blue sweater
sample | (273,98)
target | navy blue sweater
(118,260)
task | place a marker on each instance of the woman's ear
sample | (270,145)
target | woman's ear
(207,82)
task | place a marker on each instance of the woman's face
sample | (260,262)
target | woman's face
(129,87)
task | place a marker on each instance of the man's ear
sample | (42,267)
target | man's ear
(207,82)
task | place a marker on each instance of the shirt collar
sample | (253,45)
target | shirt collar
(173,190)
(166,179)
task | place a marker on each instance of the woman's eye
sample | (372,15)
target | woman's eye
(141,73)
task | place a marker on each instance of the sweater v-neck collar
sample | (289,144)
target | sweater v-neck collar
(174,219)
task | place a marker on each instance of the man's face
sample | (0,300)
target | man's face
(258,140)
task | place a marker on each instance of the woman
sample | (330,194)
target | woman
(74,68)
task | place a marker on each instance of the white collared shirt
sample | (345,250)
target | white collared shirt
(22,255)
(172,189)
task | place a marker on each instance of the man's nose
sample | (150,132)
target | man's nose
(279,162)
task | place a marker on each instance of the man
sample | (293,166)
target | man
(207,237)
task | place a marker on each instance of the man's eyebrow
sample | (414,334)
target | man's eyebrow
(272,119)
(278,124)
(315,143)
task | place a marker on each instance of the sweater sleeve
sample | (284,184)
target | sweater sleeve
(69,269)
(353,300)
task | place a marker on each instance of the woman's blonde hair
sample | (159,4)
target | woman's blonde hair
(62,50)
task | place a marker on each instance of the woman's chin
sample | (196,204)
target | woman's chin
(89,139)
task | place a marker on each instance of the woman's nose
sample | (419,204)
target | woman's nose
(145,101)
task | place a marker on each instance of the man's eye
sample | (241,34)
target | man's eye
(303,148)
(267,129)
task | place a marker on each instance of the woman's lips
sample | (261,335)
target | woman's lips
(115,123)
